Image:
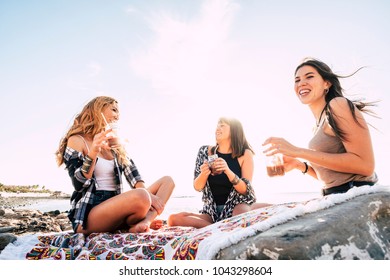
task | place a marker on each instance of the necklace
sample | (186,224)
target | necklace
(319,119)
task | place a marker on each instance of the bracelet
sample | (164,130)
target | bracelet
(86,164)
(306,168)
(235,181)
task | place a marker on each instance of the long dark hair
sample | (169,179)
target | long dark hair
(336,90)
(239,143)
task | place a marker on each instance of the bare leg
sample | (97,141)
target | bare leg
(130,207)
(187,219)
(145,224)
(162,189)
(241,208)
(259,205)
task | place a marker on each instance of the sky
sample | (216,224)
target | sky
(176,67)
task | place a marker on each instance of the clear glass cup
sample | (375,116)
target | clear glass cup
(275,165)
(113,141)
(211,161)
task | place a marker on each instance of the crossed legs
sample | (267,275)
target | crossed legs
(160,192)
(127,208)
(133,209)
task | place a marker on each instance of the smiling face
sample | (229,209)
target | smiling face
(222,132)
(310,87)
(111,112)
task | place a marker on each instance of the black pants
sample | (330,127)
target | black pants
(345,187)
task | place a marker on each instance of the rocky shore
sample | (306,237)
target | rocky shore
(16,221)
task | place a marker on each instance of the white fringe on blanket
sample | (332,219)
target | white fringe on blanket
(281,214)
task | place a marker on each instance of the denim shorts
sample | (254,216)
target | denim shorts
(219,209)
(345,187)
(100,196)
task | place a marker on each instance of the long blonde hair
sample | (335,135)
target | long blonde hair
(90,122)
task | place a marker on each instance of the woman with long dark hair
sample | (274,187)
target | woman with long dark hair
(223,173)
(340,154)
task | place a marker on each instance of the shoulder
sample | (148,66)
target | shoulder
(246,158)
(345,113)
(342,108)
(339,104)
(248,154)
(76,142)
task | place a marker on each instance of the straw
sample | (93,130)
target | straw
(104,118)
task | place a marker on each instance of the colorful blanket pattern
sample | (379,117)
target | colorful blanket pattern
(174,243)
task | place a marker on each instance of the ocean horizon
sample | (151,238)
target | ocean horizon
(175,204)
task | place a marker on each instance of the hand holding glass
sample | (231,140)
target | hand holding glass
(275,165)
(114,139)
(211,160)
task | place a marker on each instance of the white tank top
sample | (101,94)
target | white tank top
(104,174)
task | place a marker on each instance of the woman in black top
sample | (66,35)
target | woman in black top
(226,182)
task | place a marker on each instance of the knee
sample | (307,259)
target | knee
(141,198)
(167,180)
(240,208)
(174,219)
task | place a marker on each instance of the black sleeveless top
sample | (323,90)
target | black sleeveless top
(219,184)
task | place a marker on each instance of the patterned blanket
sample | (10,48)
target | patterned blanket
(178,243)
(172,243)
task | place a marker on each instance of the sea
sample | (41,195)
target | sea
(176,203)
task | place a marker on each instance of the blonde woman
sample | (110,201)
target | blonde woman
(98,203)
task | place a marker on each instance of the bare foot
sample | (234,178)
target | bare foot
(156,224)
(139,228)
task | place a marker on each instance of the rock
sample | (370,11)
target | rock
(8,214)
(7,229)
(5,239)
(356,229)
(15,222)
(63,215)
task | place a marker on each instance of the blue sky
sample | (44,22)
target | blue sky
(175,67)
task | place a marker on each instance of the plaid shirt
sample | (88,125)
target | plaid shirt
(84,189)
(234,198)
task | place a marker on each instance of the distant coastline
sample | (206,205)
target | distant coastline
(17,197)
(30,191)
(55,195)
